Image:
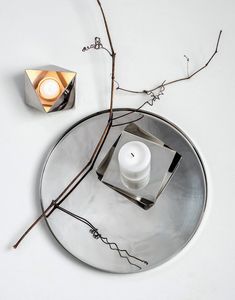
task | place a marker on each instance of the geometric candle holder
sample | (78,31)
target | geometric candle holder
(164,164)
(50,90)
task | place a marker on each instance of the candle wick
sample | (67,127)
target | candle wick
(132,154)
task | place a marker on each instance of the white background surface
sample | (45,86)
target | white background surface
(150,38)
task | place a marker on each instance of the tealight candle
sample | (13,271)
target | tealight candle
(134,162)
(49,88)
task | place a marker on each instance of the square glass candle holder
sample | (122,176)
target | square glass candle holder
(164,162)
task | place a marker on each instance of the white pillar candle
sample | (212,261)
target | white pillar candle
(49,88)
(134,162)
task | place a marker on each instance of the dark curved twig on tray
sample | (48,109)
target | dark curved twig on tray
(113,246)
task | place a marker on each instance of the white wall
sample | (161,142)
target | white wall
(150,38)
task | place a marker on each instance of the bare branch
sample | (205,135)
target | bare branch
(151,101)
(106,27)
(90,164)
(112,245)
(180,79)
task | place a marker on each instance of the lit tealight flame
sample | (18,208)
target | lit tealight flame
(49,88)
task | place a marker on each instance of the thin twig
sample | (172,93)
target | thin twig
(97,235)
(89,166)
(187,64)
(97,46)
(153,98)
(31,227)
(180,79)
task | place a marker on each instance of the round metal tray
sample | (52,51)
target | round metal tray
(154,235)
